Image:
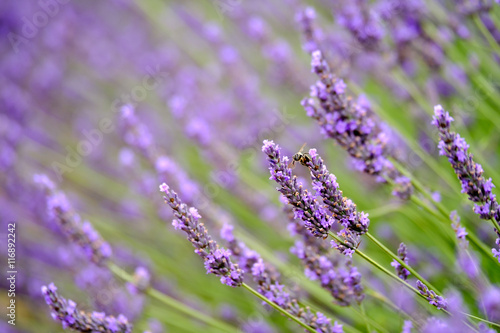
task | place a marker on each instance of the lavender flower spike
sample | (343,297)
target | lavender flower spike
(402,272)
(59,210)
(335,274)
(306,206)
(352,125)
(342,280)
(438,301)
(217,260)
(469,172)
(407,326)
(68,314)
(343,210)
(270,286)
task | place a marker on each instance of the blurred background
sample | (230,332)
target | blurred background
(109,99)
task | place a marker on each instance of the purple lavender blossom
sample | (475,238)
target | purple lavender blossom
(485,329)
(305,18)
(490,26)
(361,21)
(352,125)
(256,326)
(335,273)
(217,260)
(306,205)
(343,210)
(490,301)
(141,281)
(436,325)
(269,285)
(67,313)
(466,260)
(460,231)
(137,135)
(469,172)
(82,233)
(349,242)
(496,253)
(438,301)
(343,282)
(403,273)
(407,326)
(469,8)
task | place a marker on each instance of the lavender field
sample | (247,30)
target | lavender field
(250,166)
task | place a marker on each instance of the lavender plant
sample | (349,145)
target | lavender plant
(110,99)
(270,286)
(352,125)
(217,260)
(70,316)
(470,174)
(337,207)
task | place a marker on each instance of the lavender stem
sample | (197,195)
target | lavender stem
(173,303)
(424,156)
(278,308)
(439,206)
(401,262)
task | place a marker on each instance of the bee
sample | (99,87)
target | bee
(301,157)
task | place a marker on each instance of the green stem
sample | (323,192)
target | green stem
(431,163)
(481,319)
(395,257)
(375,294)
(495,224)
(444,214)
(278,308)
(417,96)
(424,205)
(173,303)
(380,267)
(395,277)
(362,308)
(486,33)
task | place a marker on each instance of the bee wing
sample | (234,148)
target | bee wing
(302,148)
(291,165)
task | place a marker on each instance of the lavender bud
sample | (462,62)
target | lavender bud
(496,253)
(490,302)
(141,280)
(485,329)
(349,244)
(67,313)
(305,20)
(407,326)
(343,282)
(438,301)
(402,272)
